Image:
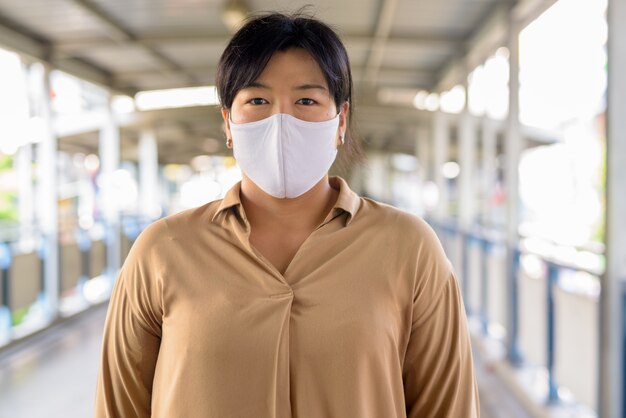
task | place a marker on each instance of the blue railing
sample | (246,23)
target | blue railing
(553,276)
(131,228)
(487,239)
(624,347)
(5,312)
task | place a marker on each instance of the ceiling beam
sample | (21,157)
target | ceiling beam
(525,11)
(122,36)
(124,78)
(85,71)
(487,36)
(36,49)
(379,41)
(483,39)
(78,46)
(18,41)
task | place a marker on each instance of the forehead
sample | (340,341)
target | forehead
(295,65)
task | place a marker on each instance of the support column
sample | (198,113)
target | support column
(467,162)
(149,176)
(612,392)
(423,155)
(26,191)
(467,197)
(378,176)
(441,146)
(47,193)
(24,166)
(513,150)
(489,151)
(489,155)
(109,163)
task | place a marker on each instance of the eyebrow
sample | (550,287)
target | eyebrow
(311,86)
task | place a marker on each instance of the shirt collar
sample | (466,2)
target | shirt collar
(231,198)
(347,200)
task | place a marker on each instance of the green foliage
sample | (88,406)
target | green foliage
(8,199)
(600,232)
(18,315)
(8,207)
(6,162)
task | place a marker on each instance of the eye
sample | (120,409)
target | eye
(257,101)
(306,102)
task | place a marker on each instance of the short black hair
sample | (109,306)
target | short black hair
(254,44)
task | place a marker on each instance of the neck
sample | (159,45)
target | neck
(303,212)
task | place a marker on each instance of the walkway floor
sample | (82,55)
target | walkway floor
(54,374)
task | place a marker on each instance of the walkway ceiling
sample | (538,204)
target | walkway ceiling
(395,46)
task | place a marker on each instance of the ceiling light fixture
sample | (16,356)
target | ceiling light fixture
(234,14)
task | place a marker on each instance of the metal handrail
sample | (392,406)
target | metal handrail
(487,238)
(132,225)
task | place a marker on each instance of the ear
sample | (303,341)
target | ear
(226,124)
(343,122)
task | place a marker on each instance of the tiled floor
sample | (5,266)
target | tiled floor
(495,400)
(54,375)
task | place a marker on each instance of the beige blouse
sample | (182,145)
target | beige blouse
(366,322)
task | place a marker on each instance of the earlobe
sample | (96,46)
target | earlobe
(342,111)
(339,140)
(343,121)
(344,114)
(225,114)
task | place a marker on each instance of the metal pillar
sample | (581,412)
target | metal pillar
(485,252)
(467,161)
(110,158)
(441,145)
(24,167)
(612,390)
(378,176)
(513,151)
(6,322)
(422,152)
(467,190)
(489,155)
(551,282)
(149,176)
(26,191)
(47,207)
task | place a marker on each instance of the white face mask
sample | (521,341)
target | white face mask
(283,155)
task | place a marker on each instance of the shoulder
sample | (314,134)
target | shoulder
(413,242)
(158,234)
(405,226)
(192,217)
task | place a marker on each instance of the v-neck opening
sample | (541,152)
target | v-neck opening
(331,215)
(282,276)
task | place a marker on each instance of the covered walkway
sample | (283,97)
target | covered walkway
(72,350)
(502,124)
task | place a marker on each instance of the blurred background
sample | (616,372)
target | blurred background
(488,118)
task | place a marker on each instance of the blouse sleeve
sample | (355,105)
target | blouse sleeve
(131,340)
(438,372)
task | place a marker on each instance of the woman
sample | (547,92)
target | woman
(292,296)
